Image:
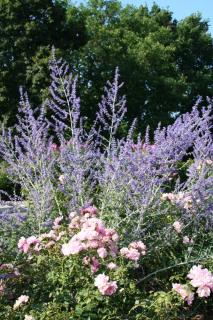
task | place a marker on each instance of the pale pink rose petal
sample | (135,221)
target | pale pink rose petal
(204,292)
(178,226)
(112,266)
(20,301)
(102,252)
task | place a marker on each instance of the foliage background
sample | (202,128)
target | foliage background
(165,64)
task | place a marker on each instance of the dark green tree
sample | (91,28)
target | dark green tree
(28,30)
(165,64)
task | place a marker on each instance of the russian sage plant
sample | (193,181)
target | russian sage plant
(61,166)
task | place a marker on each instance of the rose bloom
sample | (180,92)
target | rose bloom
(91,210)
(75,223)
(86,261)
(131,254)
(72,247)
(37,247)
(87,235)
(56,223)
(124,251)
(101,280)
(204,291)
(186,240)
(94,224)
(109,289)
(202,279)
(72,215)
(20,301)
(112,266)
(178,226)
(139,245)
(115,237)
(168,196)
(6,266)
(184,292)
(102,253)
(104,285)
(24,244)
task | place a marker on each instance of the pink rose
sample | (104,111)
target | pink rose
(184,291)
(131,254)
(186,240)
(56,223)
(202,279)
(102,252)
(204,291)
(72,247)
(101,280)
(105,286)
(25,244)
(91,210)
(112,266)
(178,226)
(139,245)
(21,300)
(109,289)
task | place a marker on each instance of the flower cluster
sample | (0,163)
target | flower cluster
(200,278)
(105,286)
(44,241)
(182,199)
(27,244)
(134,250)
(178,226)
(88,236)
(184,291)
(92,234)
(187,240)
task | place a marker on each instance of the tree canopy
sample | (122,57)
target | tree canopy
(28,30)
(164,63)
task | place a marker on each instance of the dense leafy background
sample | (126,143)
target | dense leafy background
(165,64)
